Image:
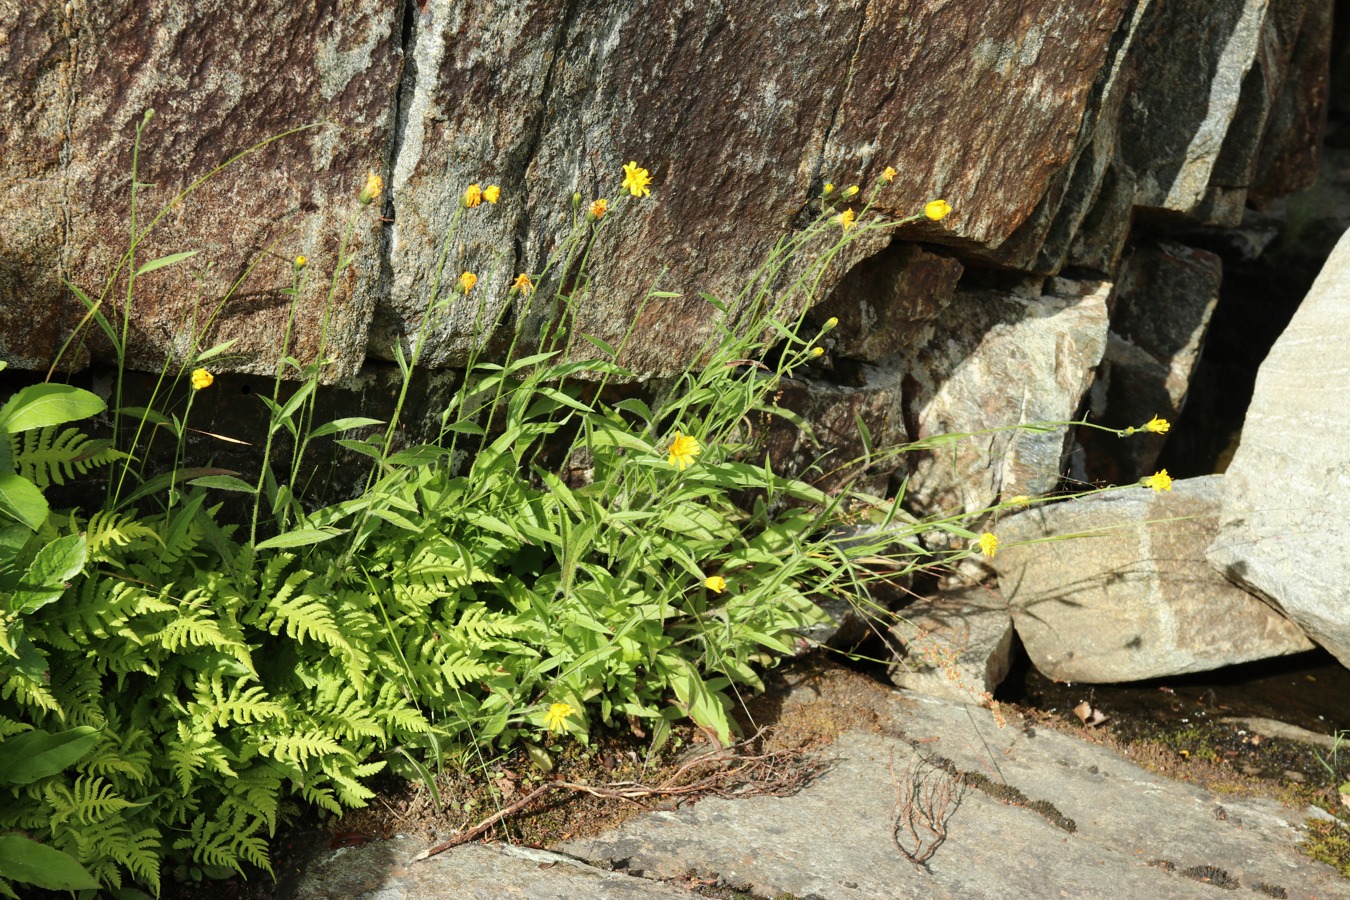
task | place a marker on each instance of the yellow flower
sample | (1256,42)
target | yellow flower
(301,262)
(1160,481)
(831,322)
(1156,425)
(683,450)
(1020,500)
(201,379)
(473,195)
(988,544)
(523,284)
(599,208)
(467,281)
(374,186)
(937,209)
(845,219)
(849,191)
(492,193)
(636,179)
(817,351)
(829,188)
(557,716)
(715,583)
(888,175)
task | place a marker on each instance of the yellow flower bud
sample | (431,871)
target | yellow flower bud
(937,209)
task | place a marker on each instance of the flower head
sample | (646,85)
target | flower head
(1020,500)
(492,193)
(473,195)
(829,188)
(301,262)
(831,322)
(636,179)
(849,191)
(523,284)
(715,583)
(599,208)
(373,188)
(201,379)
(937,209)
(1156,425)
(888,175)
(683,450)
(845,219)
(1159,481)
(988,544)
(557,716)
(817,351)
(467,281)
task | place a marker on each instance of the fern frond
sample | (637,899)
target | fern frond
(301,748)
(50,455)
(106,530)
(88,801)
(240,705)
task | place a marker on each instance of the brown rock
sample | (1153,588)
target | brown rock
(201,67)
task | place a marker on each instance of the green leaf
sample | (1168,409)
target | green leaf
(216,350)
(28,862)
(36,754)
(224,483)
(39,405)
(346,424)
(170,260)
(603,346)
(45,580)
(20,499)
(301,537)
(94,311)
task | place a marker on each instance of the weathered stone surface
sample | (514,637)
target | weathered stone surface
(1005,357)
(386,870)
(1287,488)
(1163,303)
(549,98)
(1129,596)
(834,453)
(221,78)
(889,303)
(956,646)
(1136,834)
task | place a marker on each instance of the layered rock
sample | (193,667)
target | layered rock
(1283,523)
(1115,587)
(1044,126)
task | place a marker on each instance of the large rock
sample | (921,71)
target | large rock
(1284,526)
(1116,588)
(976,377)
(222,77)
(549,98)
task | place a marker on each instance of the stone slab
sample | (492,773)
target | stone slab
(1125,593)
(385,870)
(957,645)
(1136,834)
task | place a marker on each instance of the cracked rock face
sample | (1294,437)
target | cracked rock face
(1044,126)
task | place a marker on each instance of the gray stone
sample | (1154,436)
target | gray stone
(1126,593)
(1005,357)
(957,645)
(387,870)
(1135,834)
(1283,524)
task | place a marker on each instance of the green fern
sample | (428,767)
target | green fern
(51,455)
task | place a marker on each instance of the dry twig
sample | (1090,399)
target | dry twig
(927,796)
(776,773)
